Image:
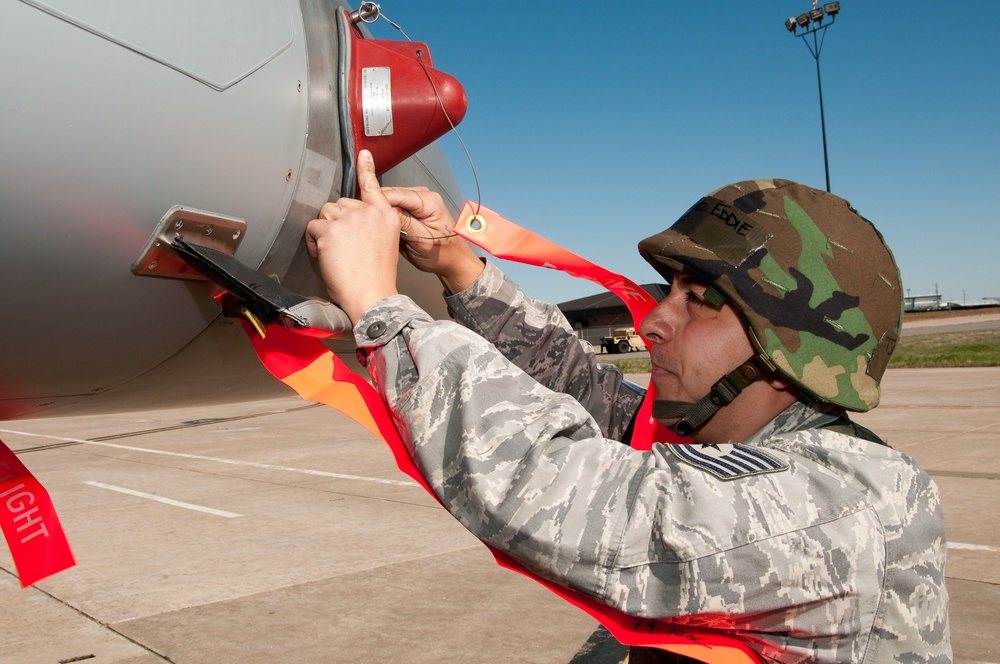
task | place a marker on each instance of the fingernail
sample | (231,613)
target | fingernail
(365,155)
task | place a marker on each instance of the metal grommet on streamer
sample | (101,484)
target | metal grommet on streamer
(475,224)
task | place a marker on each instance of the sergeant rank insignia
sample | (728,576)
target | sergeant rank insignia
(728,461)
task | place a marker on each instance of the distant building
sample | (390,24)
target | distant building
(598,315)
(922,302)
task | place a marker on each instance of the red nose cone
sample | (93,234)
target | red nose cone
(398,102)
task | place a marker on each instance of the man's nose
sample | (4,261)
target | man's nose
(658,326)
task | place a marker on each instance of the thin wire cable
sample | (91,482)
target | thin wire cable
(475,176)
(392,23)
(406,237)
(454,129)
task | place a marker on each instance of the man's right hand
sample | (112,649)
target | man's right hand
(428,240)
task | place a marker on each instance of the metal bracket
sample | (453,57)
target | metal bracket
(260,299)
(207,229)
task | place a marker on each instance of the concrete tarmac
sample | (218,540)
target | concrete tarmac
(291,537)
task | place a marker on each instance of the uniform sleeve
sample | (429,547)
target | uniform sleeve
(528,470)
(536,337)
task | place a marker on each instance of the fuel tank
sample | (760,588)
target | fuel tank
(113,113)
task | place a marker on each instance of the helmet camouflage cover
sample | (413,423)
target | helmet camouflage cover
(814,281)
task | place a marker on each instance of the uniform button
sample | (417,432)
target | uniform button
(375,330)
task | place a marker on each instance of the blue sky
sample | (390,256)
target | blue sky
(596,126)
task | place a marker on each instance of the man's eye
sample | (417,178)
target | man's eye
(694,299)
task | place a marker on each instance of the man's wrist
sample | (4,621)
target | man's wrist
(463,275)
(359,303)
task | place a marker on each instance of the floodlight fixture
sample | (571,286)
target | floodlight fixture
(816,34)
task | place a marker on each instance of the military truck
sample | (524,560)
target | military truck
(624,340)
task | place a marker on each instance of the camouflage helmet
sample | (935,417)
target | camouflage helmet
(814,281)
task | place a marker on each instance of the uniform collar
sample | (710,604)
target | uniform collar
(800,416)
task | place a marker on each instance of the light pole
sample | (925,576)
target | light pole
(812,23)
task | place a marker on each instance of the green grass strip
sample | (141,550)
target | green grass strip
(976,348)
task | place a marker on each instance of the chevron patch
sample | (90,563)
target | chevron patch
(728,461)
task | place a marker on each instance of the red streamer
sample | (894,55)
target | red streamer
(505,239)
(29,523)
(316,374)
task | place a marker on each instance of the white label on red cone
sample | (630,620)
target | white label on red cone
(376,101)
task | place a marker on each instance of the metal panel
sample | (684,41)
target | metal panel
(98,143)
(218,43)
(104,128)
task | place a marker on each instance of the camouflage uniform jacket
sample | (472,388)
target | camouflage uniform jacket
(818,547)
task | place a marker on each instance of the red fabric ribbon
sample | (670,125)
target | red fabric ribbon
(316,374)
(29,523)
(304,364)
(505,239)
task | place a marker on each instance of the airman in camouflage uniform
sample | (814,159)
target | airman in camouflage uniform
(803,537)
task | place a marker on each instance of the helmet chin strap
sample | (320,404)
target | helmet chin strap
(693,415)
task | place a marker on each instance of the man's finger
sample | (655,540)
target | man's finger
(371,190)
(389,190)
(314,230)
(405,198)
(329,210)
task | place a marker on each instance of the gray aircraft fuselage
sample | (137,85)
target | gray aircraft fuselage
(111,114)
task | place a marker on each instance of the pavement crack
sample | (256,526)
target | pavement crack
(91,618)
(190,424)
(963,578)
(971,475)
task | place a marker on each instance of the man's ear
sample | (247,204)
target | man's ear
(781,383)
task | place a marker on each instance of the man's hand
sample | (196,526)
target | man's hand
(428,240)
(357,243)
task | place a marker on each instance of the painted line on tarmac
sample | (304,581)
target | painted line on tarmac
(165,501)
(962,546)
(972,547)
(232,462)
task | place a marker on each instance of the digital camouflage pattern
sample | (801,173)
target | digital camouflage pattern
(836,554)
(815,281)
(536,337)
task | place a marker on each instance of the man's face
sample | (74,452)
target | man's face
(694,344)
